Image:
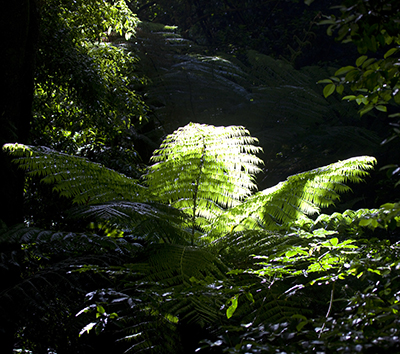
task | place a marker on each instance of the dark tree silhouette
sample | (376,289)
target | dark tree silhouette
(19,32)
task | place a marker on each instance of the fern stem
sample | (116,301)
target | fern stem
(329,309)
(196,189)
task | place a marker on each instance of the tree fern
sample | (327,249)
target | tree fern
(202,169)
(301,194)
(207,173)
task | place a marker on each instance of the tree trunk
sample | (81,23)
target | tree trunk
(19,32)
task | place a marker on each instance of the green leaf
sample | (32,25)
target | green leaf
(344,70)
(366,109)
(249,296)
(334,241)
(325,81)
(397,97)
(368,62)
(291,253)
(232,308)
(328,90)
(100,309)
(352,75)
(381,108)
(388,206)
(349,98)
(373,223)
(113,315)
(326,22)
(300,326)
(361,60)
(339,89)
(390,52)
(376,271)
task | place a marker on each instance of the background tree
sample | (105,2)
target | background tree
(85,99)
(44,44)
(19,23)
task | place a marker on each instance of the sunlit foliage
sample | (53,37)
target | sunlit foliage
(85,98)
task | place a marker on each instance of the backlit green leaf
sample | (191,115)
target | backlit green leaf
(325,81)
(390,52)
(334,241)
(339,89)
(361,60)
(232,308)
(328,90)
(344,70)
(381,108)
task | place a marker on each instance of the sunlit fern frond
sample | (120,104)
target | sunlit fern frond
(202,169)
(301,194)
(75,177)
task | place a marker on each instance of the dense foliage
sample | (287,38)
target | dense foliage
(184,255)
(85,84)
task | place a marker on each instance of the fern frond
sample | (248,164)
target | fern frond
(126,212)
(44,243)
(202,169)
(238,248)
(301,194)
(75,177)
(175,264)
(151,221)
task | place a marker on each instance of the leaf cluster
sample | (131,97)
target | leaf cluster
(372,26)
(322,285)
